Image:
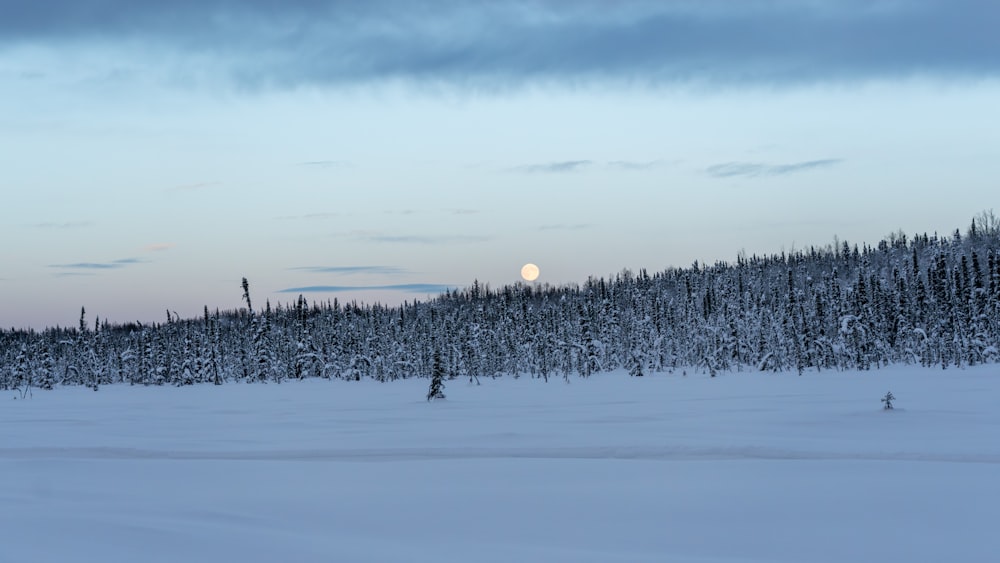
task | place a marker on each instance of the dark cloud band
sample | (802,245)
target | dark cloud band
(552,167)
(275,43)
(114,265)
(354,270)
(757,169)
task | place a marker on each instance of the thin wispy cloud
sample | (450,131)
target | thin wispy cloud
(30,75)
(383,238)
(354,270)
(427,239)
(464,211)
(113,265)
(565,166)
(513,44)
(428,288)
(63,225)
(758,169)
(561,167)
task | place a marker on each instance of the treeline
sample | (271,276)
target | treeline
(928,300)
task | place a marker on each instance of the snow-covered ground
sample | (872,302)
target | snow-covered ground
(743,467)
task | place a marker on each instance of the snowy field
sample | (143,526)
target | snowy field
(746,467)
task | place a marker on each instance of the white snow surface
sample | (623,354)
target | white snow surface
(744,467)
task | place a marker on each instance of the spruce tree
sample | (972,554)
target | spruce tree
(436,389)
(46,368)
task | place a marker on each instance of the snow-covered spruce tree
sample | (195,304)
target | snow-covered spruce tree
(304,353)
(589,362)
(436,388)
(176,357)
(46,367)
(634,365)
(263,349)
(160,357)
(185,374)
(213,372)
(21,369)
(99,364)
(79,366)
(248,357)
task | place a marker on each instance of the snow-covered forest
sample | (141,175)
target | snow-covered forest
(925,299)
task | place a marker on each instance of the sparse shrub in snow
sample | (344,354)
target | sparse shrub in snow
(887,401)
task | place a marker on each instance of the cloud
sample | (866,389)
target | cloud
(405,287)
(30,75)
(378,237)
(565,166)
(290,43)
(552,167)
(757,169)
(158,247)
(353,270)
(114,265)
(64,225)
(464,211)
(421,239)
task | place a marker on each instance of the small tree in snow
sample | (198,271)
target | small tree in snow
(887,400)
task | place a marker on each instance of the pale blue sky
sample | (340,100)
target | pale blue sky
(153,153)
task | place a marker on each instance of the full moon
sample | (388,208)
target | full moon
(529,272)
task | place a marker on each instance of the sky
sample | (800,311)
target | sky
(152,154)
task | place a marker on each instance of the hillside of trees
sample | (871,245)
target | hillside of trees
(928,300)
